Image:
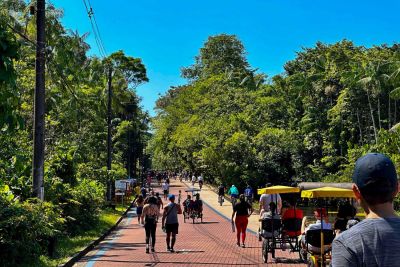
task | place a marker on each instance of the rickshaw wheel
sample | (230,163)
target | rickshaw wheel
(311,262)
(265,250)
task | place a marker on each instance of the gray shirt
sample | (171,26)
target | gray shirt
(372,242)
(172,216)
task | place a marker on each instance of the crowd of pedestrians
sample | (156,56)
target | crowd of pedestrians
(356,243)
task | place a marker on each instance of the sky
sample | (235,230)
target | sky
(167,35)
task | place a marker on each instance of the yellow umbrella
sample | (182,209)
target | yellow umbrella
(278,189)
(327,192)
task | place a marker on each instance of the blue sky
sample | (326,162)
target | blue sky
(167,35)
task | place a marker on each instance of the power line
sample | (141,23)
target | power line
(95,28)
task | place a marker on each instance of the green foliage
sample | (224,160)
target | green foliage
(75,127)
(332,104)
(25,228)
(80,204)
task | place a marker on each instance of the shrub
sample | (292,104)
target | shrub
(84,207)
(25,228)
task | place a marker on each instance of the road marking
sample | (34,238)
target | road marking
(131,214)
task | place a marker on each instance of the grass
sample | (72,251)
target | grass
(69,246)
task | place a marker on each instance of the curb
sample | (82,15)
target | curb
(94,243)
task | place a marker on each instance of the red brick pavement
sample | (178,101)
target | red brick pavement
(209,244)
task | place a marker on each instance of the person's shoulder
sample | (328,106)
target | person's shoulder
(354,233)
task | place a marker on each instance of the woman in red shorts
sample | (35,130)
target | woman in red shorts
(242,210)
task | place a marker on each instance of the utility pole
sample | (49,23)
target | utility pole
(39,110)
(109,184)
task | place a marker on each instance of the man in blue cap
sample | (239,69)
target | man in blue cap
(371,242)
(170,221)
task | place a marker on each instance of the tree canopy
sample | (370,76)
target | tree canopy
(333,103)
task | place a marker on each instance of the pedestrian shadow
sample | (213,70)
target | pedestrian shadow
(187,251)
(208,222)
(127,245)
(288,261)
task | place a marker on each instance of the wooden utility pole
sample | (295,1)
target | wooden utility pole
(39,123)
(109,146)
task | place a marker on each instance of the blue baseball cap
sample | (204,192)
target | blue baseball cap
(171,196)
(375,169)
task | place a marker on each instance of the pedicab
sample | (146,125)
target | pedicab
(321,239)
(188,212)
(277,233)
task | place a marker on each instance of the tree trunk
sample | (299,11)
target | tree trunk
(389,122)
(379,113)
(372,117)
(359,127)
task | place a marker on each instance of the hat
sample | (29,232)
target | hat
(171,196)
(375,168)
(320,211)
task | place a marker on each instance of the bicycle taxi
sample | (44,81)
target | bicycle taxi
(277,233)
(189,210)
(321,239)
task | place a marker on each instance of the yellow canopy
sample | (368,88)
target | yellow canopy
(327,192)
(278,189)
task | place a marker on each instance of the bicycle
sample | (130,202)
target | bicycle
(220,199)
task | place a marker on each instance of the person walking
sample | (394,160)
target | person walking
(160,204)
(139,208)
(373,241)
(170,222)
(150,216)
(193,179)
(242,210)
(165,188)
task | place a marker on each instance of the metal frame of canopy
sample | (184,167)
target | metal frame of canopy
(326,192)
(277,189)
(192,190)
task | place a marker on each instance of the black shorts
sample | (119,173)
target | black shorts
(165,192)
(172,228)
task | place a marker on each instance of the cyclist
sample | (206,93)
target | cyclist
(200,179)
(234,193)
(248,194)
(221,193)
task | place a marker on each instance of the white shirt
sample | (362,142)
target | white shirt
(265,199)
(193,178)
(317,226)
(200,178)
(165,186)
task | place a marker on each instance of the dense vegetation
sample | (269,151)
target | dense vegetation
(332,104)
(76,132)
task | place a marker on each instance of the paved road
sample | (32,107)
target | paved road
(209,244)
